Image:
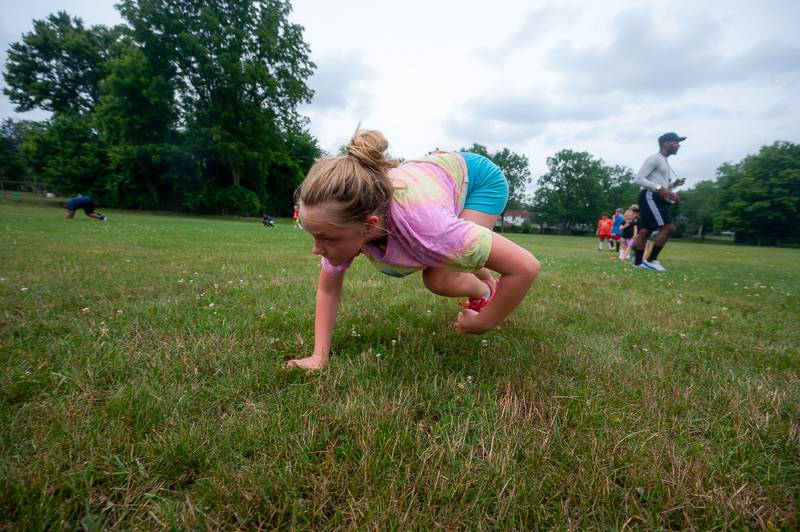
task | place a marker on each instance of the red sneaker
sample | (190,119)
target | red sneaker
(479,304)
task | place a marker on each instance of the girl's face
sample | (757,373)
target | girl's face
(335,241)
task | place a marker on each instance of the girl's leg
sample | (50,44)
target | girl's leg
(449,283)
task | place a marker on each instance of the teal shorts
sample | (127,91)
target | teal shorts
(487,188)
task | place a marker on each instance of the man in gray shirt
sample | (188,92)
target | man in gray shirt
(655,178)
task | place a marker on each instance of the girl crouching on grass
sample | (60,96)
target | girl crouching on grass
(433,214)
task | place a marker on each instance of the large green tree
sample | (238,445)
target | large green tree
(575,189)
(65,152)
(188,98)
(59,65)
(619,187)
(137,118)
(695,213)
(759,196)
(515,167)
(239,68)
(12,166)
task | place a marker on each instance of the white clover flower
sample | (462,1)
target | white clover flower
(85,309)
(180,280)
(120,313)
(211,305)
(23,289)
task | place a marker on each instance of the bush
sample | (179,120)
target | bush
(238,200)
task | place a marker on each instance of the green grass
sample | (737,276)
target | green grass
(141,387)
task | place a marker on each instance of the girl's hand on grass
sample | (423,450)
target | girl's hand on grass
(469,322)
(311,363)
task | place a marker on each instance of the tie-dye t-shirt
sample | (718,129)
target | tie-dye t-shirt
(422,222)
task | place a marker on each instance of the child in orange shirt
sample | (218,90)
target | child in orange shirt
(604,225)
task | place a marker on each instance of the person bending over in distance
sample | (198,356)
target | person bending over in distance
(83,202)
(432,215)
(655,197)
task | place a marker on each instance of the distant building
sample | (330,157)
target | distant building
(515,217)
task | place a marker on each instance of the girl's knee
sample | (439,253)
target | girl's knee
(533,267)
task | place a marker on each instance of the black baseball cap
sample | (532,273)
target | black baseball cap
(666,137)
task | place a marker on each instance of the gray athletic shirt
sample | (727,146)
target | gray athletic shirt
(655,171)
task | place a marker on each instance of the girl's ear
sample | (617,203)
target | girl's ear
(372,222)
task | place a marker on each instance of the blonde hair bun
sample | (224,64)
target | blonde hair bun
(368,147)
(355,185)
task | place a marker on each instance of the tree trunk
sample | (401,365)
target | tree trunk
(237,176)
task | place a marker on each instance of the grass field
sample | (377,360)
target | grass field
(141,387)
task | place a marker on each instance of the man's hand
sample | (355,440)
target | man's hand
(678,182)
(311,363)
(668,195)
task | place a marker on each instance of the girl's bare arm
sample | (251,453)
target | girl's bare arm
(518,268)
(329,294)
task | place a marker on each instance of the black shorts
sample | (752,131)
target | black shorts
(654,211)
(85,203)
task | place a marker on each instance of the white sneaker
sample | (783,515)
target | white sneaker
(654,265)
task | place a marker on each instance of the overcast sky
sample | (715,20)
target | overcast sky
(536,76)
